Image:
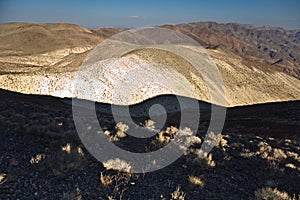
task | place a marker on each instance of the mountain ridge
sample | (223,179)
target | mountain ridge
(32,53)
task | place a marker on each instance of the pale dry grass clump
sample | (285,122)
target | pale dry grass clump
(110,198)
(121,128)
(217,140)
(293,155)
(80,152)
(38,158)
(264,149)
(203,159)
(117,164)
(178,194)
(222,142)
(271,194)
(3,178)
(150,124)
(278,154)
(164,137)
(112,138)
(106,180)
(172,130)
(117,183)
(66,148)
(291,165)
(184,138)
(196,181)
(272,154)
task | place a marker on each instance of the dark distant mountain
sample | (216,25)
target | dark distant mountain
(274,45)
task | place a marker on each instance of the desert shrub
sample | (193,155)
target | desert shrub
(3,178)
(293,155)
(112,138)
(184,138)
(217,140)
(271,194)
(172,130)
(121,128)
(203,159)
(162,138)
(178,194)
(36,159)
(116,137)
(150,124)
(117,164)
(116,184)
(80,151)
(196,181)
(106,180)
(291,165)
(278,154)
(264,149)
(66,148)
(165,136)
(222,142)
(272,154)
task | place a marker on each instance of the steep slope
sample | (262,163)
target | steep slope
(275,46)
(28,39)
(54,47)
(246,81)
(51,54)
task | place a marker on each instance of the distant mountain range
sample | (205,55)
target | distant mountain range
(258,64)
(273,45)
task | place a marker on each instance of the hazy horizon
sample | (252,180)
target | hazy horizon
(131,14)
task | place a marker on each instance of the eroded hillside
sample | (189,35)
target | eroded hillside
(43,59)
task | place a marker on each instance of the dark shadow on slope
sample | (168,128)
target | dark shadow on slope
(280,119)
(35,129)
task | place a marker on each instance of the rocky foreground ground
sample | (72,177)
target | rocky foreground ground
(42,157)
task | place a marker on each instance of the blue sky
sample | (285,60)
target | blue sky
(142,13)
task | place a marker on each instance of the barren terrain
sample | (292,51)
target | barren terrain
(255,156)
(42,156)
(44,59)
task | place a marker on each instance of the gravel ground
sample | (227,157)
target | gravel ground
(42,157)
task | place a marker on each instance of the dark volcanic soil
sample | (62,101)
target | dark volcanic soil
(262,151)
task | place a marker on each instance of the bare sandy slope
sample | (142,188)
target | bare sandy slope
(51,54)
(244,82)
